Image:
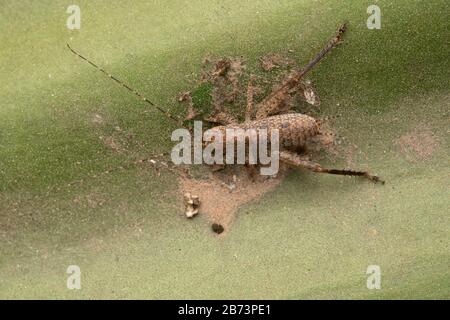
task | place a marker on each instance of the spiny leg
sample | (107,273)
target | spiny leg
(219,82)
(276,100)
(234,82)
(250,93)
(187,98)
(294,159)
(337,39)
(223,118)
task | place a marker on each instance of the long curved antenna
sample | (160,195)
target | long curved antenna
(166,113)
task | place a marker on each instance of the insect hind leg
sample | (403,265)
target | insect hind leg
(299,161)
(345,172)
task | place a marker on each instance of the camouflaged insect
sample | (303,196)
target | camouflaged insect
(295,129)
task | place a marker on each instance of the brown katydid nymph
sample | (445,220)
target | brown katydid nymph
(296,130)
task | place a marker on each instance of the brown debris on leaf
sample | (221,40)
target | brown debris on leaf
(97,119)
(192,204)
(217,228)
(220,199)
(221,67)
(418,144)
(309,93)
(224,76)
(111,143)
(275,60)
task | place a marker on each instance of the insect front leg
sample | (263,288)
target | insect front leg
(298,161)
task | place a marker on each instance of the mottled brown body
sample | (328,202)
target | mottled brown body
(295,129)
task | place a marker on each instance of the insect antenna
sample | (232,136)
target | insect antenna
(135,92)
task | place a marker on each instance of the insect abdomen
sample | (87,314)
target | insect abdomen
(294,128)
